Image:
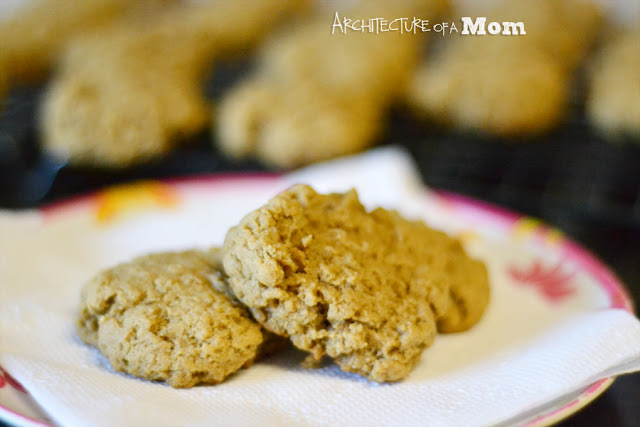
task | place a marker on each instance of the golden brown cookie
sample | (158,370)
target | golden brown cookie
(511,90)
(34,36)
(133,91)
(508,85)
(257,120)
(563,29)
(613,103)
(469,289)
(159,317)
(338,280)
(317,95)
(116,111)
(467,282)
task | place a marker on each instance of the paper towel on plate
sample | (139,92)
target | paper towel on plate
(525,352)
(383,177)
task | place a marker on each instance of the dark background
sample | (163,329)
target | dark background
(573,179)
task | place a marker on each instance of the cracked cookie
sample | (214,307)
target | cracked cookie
(160,317)
(338,280)
(467,292)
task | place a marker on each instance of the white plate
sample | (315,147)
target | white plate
(550,276)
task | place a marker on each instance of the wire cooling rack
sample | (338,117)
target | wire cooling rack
(572,172)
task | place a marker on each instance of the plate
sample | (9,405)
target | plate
(558,276)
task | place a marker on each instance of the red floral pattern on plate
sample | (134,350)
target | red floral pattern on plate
(552,282)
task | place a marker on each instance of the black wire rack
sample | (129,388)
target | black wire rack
(571,172)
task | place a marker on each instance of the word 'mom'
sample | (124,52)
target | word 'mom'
(480,27)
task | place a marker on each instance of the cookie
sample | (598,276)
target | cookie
(132,92)
(565,30)
(317,95)
(160,318)
(508,86)
(256,121)
(89,120)
(469,290)
(338,280)
(614,90)
(27,55)
(493,99)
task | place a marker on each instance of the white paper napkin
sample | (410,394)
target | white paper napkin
(524,356)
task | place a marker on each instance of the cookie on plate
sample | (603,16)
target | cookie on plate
(469,290)
(338,280)
(467,282)
(160,318)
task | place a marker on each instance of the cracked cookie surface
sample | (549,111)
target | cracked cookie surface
(466,292)
(338,280)
(160,317)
